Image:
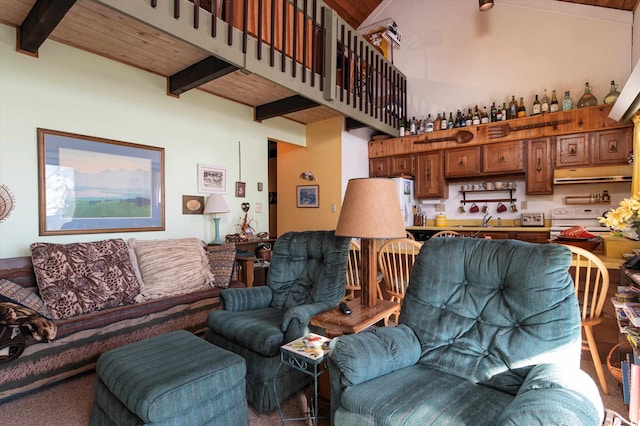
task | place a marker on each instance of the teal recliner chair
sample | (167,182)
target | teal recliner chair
(488,334)
(306,277)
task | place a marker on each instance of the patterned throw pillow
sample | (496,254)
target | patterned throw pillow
(222,259)
(169,267)
(79,278)
(12,292)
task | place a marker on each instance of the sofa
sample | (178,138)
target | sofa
(488,334)
(104,294)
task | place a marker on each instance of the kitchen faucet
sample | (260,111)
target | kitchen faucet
(485,220)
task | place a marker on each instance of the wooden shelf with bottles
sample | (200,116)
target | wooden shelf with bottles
(584,199)
(488,200)
(566,122)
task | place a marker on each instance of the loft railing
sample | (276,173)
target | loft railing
(305,46)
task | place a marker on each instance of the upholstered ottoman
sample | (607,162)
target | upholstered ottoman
(172,379)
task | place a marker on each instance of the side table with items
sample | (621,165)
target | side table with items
(307,354)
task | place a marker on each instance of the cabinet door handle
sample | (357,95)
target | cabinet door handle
(539,165)
(613,147)
(501,159)
(428,174)
(461,162)
(572,151)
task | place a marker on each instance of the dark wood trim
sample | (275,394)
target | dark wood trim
(351,124)
(283,106)
(198,74)
(42,19)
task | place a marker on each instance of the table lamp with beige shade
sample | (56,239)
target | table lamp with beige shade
(216,204)
(370,211)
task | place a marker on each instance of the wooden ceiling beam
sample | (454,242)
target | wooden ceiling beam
(198,74)
(283,106)
(42,19)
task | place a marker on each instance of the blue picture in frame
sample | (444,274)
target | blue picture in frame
(92,185)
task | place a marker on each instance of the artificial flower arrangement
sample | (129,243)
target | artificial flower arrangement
(624,217)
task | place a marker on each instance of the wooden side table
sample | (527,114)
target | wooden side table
(336,323)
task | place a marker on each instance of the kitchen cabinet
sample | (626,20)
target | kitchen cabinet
(429,177)
(402,165)
(539,173)
(379,167)
(573,150)
(601,148)
(531,237)
(612,146)
(462,162)
(503,157)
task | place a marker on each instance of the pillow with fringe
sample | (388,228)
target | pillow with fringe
(170,267)
(222,259)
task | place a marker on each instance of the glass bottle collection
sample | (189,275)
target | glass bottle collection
(515,109)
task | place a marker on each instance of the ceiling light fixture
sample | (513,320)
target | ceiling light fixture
(485,5)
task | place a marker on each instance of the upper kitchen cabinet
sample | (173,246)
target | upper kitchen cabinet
(573,150)
(379,167)
(612,146)
(462,162)
(402,165)
(503,157)
(429,177)
(539,173)
(601,148)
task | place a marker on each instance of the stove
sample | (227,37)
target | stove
(569,216)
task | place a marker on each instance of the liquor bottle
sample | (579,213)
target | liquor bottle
(613,94)
(469,119)
(513,108)
(554,106)
(567,102)
(437,122)
(499,114)
(545,103)
(587,99)
(443,123)
(476,116)
(536,107)
(428,127)
(421,125)
(459,120)
(522,111)
(450,123)
(494,113)
(484,117)
(504,111)
(412,126)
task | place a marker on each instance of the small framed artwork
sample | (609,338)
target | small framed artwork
(241,189)
(192,204)
(90,185)
(307,196)
(212,179)
(407,187)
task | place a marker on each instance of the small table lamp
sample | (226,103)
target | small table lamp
(216,204)
(370,210)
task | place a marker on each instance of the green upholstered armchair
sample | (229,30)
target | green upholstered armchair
(488,334)
(306,277)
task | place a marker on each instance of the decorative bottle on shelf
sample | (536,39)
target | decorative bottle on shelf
(428,127)
(545,103)
(443,123)
(554,106)
(450,123)
(567,102)
(522,111)
(412,126)
(504,111)
(499,114)
(513,108)
(484,117)
(494,113)
(476,116)
(536,107)
(613,94)
(469,118)
(587,99)
(437,122)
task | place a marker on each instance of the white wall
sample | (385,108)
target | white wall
(355,154)
(74,91)
(455,57)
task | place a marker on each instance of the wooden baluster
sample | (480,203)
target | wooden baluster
(196,14)
(245,26)
(305,39)
(230,22)
(272,49)
(294,55)
(283,56)
(176,9)
(214,17)
(314,43)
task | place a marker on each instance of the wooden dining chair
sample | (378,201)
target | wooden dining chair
(446,234)
(395,260)
(353,273)
(591,282)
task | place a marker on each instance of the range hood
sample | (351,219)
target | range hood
(628,102)
(608,174)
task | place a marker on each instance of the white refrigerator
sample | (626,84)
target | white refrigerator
(405,193)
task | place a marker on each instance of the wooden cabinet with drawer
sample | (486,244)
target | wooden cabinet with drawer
(462,162)
(402,165)
(539,175)
(429,177)
(612,146)
(573,150)
(503,157)
(379,167)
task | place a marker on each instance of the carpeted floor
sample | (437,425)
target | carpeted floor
(69,404)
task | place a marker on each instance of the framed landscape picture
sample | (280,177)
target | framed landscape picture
(307,196)
(212,179)
(90,185)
